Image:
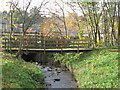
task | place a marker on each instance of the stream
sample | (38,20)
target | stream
(57,77)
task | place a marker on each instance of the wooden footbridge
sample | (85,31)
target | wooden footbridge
(36,43)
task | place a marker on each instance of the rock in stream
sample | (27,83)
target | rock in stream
(57,78)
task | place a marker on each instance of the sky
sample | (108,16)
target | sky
(4,7)
(34,3)
(50,5)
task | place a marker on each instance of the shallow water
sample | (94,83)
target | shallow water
(57,78)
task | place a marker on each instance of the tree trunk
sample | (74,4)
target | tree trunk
(21,42)
(119,23)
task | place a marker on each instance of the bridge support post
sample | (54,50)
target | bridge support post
(78,50)
(61,50)
(44,45)
(44,51)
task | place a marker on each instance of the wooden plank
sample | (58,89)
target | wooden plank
(54,40)
(42,46)
(63,40)
(64,49)
(76,43)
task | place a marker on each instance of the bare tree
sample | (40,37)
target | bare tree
(119,23)
(96,13)
(23,13)
(60,17)
(11,22)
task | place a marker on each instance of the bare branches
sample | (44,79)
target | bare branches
(16,6)
(29,3)
(23,13)
(63,15)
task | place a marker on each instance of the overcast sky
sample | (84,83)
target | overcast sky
(34,3)
(50,5)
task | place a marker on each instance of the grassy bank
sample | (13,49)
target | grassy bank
(16,73)
(95,69)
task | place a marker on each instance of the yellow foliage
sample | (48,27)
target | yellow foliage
(30,29)
(15,25)
(115,27)
(70,24)
(67,37)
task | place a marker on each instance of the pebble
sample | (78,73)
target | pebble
(40,67)
(57,78)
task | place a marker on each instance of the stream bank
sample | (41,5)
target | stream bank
(94,69)
(56,76)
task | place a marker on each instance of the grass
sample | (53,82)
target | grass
(16,73)
(95,69)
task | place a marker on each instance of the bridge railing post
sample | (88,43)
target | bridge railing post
(36,40)
(92,44)
(78,46)
(89,43)
(58,44)
(5,44)
(61,44)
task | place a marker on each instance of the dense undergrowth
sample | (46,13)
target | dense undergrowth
(95,69)
(16,73)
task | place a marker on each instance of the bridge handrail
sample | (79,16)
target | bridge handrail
(38,42)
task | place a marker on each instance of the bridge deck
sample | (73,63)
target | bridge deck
(56,50)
